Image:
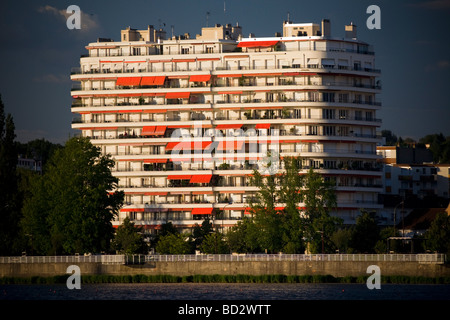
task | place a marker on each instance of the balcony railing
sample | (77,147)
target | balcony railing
(78,70)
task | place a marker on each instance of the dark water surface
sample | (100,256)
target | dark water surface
(224,291)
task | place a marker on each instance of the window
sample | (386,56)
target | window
(329,164)
(329,130)
(358,115)
(328,96)
(297,113)
(209,49)
(369,116)
(328,113)
(312,130)
(343,114)
(184,50)
(343,97)
(343,131)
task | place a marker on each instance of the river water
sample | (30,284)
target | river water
(223,291)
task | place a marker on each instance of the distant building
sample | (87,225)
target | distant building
(410,171)
(393,154)
(30,164)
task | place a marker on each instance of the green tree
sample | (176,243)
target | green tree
(341,239)
(10,203)
(290,193)
(319,197)
(243,237)
(365,233)
(264,214)
(173,244)
(384,244)
(200,232)
(214,243)
(438,235)
(73,203)
(129,239)
(439,146)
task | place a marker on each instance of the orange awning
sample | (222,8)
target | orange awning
(179,177)
(148,130)
(230,145)
(202,210)
(262,126)
(229,92)
(200,78)
(178,95)
(160,130)
(256,44)
(187,146)
(155,160)
(128,81)
(159,80)
(229,75)
(229,126)
(204,178)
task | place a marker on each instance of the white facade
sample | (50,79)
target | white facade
(310,96)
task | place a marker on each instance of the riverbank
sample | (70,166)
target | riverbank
(217,278)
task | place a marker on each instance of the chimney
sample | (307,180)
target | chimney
(350,31)
(326,28)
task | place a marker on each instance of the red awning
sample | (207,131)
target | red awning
(230,92)
(200,78)
(262,126)
(256,44)
(128,81)
(153,81)
(187,146)
(229,126)
(229,75)
(204,178)
(178,95)
(160,130)
(148,130)
(230,145)
(202,210)
(159,80)
(155,160)
(179,177)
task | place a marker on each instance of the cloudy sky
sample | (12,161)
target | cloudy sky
(37,51)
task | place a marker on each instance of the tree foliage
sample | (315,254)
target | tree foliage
(10,201)
(129,239)
(290,228)
(438,235)
(173,243)
(72,204)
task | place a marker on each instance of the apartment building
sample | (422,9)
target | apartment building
(187,120)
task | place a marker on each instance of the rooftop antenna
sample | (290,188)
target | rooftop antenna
(207,19)
(288,21)
(172,26)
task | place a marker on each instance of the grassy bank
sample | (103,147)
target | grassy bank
(242,278)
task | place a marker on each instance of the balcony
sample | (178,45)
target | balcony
(151,68)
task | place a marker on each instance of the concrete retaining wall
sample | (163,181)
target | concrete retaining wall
(334,268)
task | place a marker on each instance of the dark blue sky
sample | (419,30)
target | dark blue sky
(37,51)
